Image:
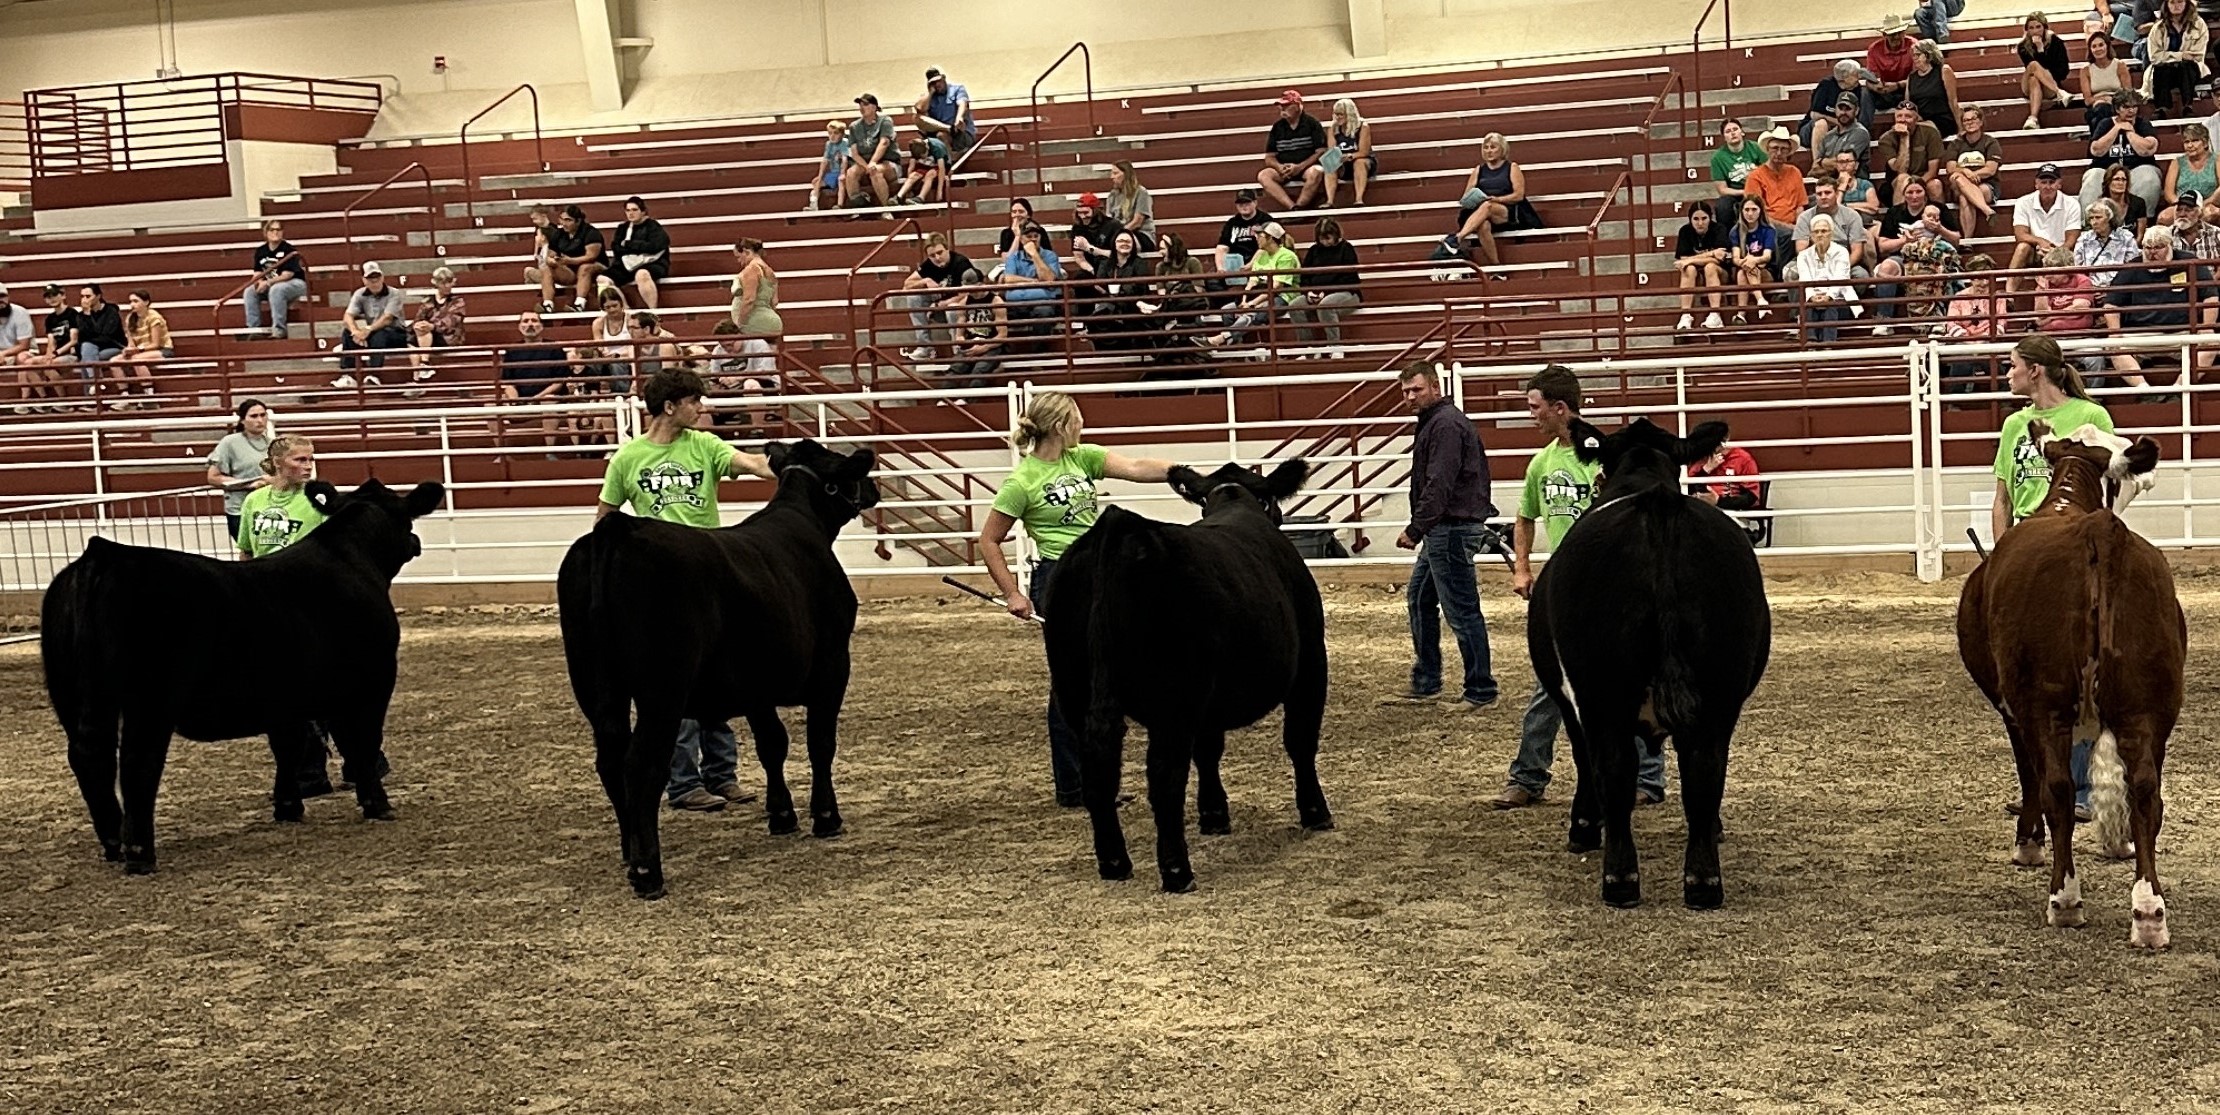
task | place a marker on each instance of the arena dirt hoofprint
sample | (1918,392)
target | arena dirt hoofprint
(956,952)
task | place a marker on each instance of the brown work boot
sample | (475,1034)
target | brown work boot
(1515,796)
(732,792)
(698,800)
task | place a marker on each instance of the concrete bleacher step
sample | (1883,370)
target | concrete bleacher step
(1089,145)
(541,181)
(449,236)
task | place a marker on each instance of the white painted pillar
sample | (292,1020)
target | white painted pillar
(1368,29)
(597,41)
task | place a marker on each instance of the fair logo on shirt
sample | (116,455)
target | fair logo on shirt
(272,528)
(671,483)
(2028,462)
(1563,494)
(1075,494)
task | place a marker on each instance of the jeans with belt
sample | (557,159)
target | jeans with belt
(1444,586)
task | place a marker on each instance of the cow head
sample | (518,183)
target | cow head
(376,520)
(837,486)
(1642,454)
(2126,466)
(1236,486)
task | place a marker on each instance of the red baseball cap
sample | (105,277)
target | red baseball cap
(1090,201)
(1290,97)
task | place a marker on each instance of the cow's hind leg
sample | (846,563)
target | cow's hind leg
(1213,815)
(2027,838)
(285,785)
(1170,753)
(1101,765)
(1584,832)
(92,758)
(823,739)
(361,742)
(146,749)
(2056,741)
(611,738)
(1302,721)
(771,743)
(1703,784)
(1613,762)
(2146,813)
(647,770)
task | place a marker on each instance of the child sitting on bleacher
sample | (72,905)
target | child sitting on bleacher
(828,177)
(924,172)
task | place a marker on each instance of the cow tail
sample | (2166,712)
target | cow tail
(1676,695)
(69,650)
(2107,773)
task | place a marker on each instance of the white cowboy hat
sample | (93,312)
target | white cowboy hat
(1894,24)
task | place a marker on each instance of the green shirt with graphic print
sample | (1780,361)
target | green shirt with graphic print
(1055,500)
(1559,486)
(2019,461)
(271,520)
(676,482)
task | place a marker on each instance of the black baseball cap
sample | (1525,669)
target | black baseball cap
(2047,170)
(1244,195)
(871,99)
(2190,198)
(53,289)
(1846,100)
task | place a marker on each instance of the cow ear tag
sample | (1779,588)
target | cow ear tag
(1590,443)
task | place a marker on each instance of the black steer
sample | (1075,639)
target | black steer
(1650,620)
(664,622)
(1191,631)
(123,632)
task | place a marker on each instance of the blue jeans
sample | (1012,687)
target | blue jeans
(2080,766)
(1063,743)
(1934,20)
(91,353)
(707,755)
(1538,751)
(282,295)
(1443,584)
(392,336)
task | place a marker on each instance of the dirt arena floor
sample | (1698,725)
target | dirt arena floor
(954,951)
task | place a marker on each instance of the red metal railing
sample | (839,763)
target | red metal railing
(431,211)
(15,147)
(949,210)
(306,312)
(462,139)
(138,125)
(855,335)
(1649,136)
(1625,181)
(1696,46)
(1086,58)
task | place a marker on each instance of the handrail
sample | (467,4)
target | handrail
(1087,58)
(855,337)
(978,145)
(1625,181)
(1649,135)
(431,211)
(99,128)
(462,138)
(1696,48)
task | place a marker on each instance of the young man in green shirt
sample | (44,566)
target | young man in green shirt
(1731,164)
(670,472)
(1559,489)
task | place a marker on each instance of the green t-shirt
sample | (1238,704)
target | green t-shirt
(1559,486)
(271,520)
(1733,164)
(2019,461)
(1055,500)
(675,482)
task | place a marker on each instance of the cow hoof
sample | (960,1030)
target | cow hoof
(2029,854)
(785,824)
(1214,824)
(1115,870)
(1702,894)
(378,813)
(1585,837)
(1180,881)
(138,861)
(647,882)
(287,812)
(2065,917)
(111,851)
(826,828)
(1321,821)
(1624,892)
(2147,929)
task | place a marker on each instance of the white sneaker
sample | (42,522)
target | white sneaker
(423,374)
(1711,320)
(1686,322)
(1884,330)
(914,355)
(371,381)
(344,382)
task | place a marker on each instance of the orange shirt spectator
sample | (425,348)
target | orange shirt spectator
(1778,184)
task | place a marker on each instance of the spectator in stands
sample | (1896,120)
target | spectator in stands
(2106,75)
(1349,156)
(924,173)
(2194,236)
(1092,233)
(2155,295)
(2043,68)
(933,313)
(1495,198)
(2124,140)
(543,222)
(440,322)
(2135,215)
(1976,313)
(1291,154)
(872,158)
(606,358)
(944,113)
(280,277)
(832,169)
(1826,264)
(2042,220)
(1826,100)
(1911,148)
(1933,87)
(1849,229)
(1024,270)
(1756,243)
(2066,302)
(1845,171)
(1728,480)
(373,322)
(100,333)
(2107,242)
(1237,237)
(1888,63)
(576,255)
(1129,204)
(755,304)
(1021,215)
(1330,282)
(534,371)
(147,340)
(982,340)
(640,253)
(1777,184)
(1731,164)
(16,333)
(1700,256)
(1932,18)
(58,348)
(1842,133)
(1126,280)
(235,464)
(1180,286)
(654,345)
(728,362)
(1274,274)
(2177,45)
(2193,170)
(1971,161)
(1914,242)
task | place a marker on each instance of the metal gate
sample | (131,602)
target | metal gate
(37,541)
